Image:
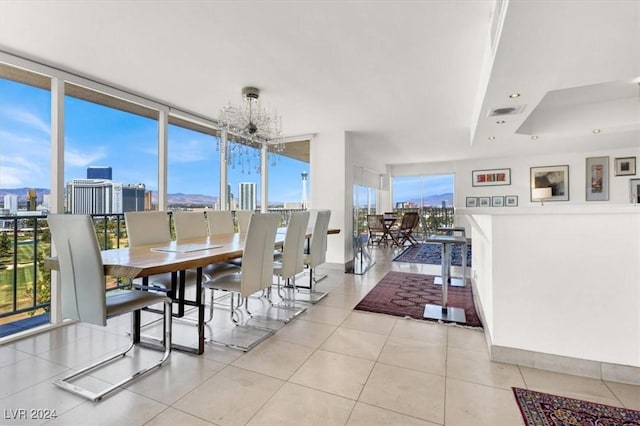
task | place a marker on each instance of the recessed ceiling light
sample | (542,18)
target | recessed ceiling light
(514,95)
(534,137)
(500,122)
(491,138)
(596,131)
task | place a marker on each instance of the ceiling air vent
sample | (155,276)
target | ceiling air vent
(510,110)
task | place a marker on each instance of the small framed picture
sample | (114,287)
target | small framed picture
(491,177)
(497,201)
(625,166)
(554,177)
(484,201)
(511,200)
(472,202)
(634,191)
(597,182)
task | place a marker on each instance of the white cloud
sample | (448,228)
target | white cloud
(77,158)
(25,117)
(12,177)
(191,151)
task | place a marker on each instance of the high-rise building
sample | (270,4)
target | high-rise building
(11,203)
(304,189)
(247,191)
(128,197)
(102,196)
(89,196)
(99,172)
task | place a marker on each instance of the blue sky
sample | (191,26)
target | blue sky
(99,136)
(407,188)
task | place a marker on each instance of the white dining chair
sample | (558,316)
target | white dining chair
(147,228)
(255,275)
(189,225)
(242,218)
(220,222)
(152,228)
(84,297)
(291,263)
(317,252)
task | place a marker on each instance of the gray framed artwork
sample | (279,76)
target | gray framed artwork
(597,179)
(554,177)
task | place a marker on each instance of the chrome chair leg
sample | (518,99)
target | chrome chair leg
(65,382)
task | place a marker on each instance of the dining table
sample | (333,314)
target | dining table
(176,258)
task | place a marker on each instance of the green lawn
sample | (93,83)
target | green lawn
(25,281)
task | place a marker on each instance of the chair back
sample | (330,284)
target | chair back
(374,222)
(149,227)
(220,222)
(318,245)
(243,216)
(409,221)
(81,271)
(189,225)
(257,258)
(293,251)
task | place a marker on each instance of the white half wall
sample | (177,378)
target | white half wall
(563,282)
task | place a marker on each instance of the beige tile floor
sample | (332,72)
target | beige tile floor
(332,365)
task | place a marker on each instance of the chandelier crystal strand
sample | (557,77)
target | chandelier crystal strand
(251,125)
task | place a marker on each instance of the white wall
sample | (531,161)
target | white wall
(520,180)
(563,278)
(330,179)
(563,282)
(336,165)
(520,177)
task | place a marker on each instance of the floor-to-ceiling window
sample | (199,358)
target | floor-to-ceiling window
(25,151)
(243,176)
(289,182)
(193,170)
(422,191)
(106,140)
(431,195)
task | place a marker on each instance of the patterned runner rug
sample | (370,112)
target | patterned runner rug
(404,294)
(543,409)
(431,253)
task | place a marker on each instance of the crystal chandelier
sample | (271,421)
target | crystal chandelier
(251,125)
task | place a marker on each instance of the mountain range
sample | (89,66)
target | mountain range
(208,200)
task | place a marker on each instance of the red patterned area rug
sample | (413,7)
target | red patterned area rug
(404,294)
(543,409)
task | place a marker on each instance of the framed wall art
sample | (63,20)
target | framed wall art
(484,201)
(472,202)
(497,201)
(634,191)
(554,177)
(625,166)
(493,177)
(511,200)
(597,179)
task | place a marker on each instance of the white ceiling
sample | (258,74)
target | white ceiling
(414,80)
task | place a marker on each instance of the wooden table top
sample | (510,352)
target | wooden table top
(134,262)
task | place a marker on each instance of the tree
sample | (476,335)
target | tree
(5,245)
